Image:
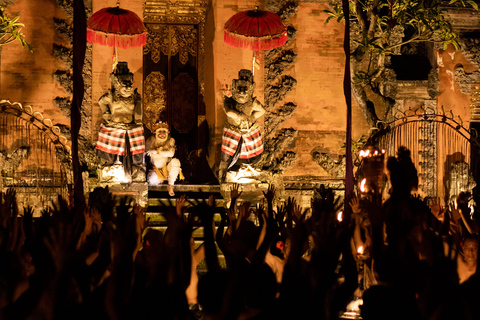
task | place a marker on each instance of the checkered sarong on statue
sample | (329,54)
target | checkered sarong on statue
(252,144)
(112,140)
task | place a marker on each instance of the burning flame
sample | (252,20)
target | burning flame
(362,185)
(340,216)
(370,153)
(360,250)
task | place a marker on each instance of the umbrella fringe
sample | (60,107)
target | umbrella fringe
(115,40)
(254,43)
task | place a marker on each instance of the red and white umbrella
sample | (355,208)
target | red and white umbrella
(117,28)
(255,30)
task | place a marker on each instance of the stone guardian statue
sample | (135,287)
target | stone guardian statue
(242,142)
(121,143)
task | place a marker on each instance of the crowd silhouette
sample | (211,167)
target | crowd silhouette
(404,258)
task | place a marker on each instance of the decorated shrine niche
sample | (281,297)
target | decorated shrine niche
(174,83)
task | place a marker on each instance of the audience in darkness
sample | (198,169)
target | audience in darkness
(405,258)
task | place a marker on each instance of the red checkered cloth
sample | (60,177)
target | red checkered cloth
(112,140)
(252,144)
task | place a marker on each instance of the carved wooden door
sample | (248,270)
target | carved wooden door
(171,90)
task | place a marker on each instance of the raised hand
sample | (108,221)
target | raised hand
(291,203)
(355,205)
(280,216)
(297,215)
(181,205)
(260,214)
(10,196)
(437,209)
(270,194)
(234,194)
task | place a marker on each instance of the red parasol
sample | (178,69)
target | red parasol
(116,27)
(256,30)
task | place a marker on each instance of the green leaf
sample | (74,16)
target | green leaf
(473,4)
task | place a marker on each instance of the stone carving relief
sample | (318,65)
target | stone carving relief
(156,39)
(184,42)
(465,80)
(335,167)
(155,98)
(63,76)
(275,158)
(172,40)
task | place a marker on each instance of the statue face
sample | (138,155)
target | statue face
(161,134)
(242,90)
(123,86)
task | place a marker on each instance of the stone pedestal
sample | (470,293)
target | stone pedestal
(135,190)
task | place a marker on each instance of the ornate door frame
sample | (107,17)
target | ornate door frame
(176,32)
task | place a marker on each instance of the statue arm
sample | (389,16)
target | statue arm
(258,109)
(104,103)
(137,111)
(232,113)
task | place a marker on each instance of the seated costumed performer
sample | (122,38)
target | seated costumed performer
(161,149)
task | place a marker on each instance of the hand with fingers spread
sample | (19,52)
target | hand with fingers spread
(234,193)
(10,196)
(59,242)
(297,214)
(291,202)
(280,216)
(88,218)
(181,205)
(436,209)
(270,194)
(355,205)
(260,214)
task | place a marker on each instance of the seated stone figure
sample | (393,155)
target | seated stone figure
(161,149)
(242,141)
(120,139)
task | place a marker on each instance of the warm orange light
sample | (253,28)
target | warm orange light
(360,250)
(362,185)
(340,216)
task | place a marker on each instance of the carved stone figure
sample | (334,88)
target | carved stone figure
(242,141)
(160,150)
(460,180)
(120,140)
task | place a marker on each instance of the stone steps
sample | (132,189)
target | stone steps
(158,198)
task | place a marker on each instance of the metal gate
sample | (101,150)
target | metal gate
(436,142)
(34,159)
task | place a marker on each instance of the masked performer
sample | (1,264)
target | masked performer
(161,149)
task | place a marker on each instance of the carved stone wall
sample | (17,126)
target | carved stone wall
(63,51)
(275,159)
(428,152)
